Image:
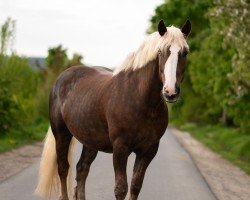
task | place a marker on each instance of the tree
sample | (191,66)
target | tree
(18,84)
(57,58)
(231,21)
(7,35)
(76,60)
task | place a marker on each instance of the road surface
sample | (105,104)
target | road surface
(172,175)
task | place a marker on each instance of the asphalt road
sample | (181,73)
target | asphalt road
(172,175)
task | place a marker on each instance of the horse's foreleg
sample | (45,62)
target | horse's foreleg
(120,158)
(82,170)
(141,164)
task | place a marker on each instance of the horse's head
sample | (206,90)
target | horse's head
(172,58)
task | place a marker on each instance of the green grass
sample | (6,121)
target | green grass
(25,135)
(229,142)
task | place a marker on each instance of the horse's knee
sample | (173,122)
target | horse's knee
(82,171)
(121,190)
(63,167)
(135,189)
(79,167)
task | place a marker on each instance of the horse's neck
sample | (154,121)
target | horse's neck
(144,83)
(149,84)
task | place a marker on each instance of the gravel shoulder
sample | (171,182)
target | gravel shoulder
(17,160)
(227,181)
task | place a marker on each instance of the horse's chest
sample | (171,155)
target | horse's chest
(148,132)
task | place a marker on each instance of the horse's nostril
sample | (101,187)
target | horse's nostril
(172,96)
(171,93)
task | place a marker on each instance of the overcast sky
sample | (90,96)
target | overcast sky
(103,31)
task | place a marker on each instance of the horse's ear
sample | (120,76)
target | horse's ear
(186,28)
(162,28)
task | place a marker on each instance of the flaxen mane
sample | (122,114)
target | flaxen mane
(149,48)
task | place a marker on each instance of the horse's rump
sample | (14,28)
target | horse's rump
(77,95)
(78,77)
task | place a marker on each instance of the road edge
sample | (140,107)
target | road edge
(16,160)
(225,180)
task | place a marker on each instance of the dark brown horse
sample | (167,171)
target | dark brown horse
(119,113)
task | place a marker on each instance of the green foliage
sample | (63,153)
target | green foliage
(17,90)
(231,21)
(28,134)
(208,73)
(7,107)
(178,11)
(42,95)
(75,60)
(57,58)
(217,88)
(7,35)
(24,92)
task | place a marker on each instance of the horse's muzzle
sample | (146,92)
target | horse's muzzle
(172,98)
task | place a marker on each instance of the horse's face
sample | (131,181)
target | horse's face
(172,62)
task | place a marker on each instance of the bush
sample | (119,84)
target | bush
(43,91)
(17,90)
(7,107)
(24,92)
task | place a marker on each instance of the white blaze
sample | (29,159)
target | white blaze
(170,70)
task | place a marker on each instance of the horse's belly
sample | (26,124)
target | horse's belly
(85,121)
(95,139)
(91,135)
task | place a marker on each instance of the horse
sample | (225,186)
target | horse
(116,112)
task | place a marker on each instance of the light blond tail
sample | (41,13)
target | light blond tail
(49,182)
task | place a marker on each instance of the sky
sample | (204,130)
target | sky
(103,31)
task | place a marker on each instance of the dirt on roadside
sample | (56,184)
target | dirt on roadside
(16,160)
(227,181)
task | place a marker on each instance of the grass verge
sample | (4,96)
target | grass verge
(229,142)
(25,135)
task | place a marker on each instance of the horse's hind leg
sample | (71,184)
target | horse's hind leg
(82,171)
(63,138)
(141,164)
